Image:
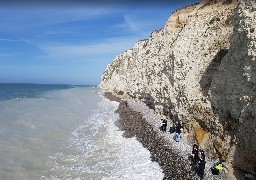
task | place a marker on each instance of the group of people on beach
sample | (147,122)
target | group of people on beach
(197,155)
(198,161)
(177,128)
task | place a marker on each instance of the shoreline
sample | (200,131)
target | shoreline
(137,120)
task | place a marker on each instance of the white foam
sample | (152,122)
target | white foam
(34,128)
(97,150)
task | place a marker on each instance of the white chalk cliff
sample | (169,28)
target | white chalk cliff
(199,69)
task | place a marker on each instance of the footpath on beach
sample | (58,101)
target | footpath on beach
(137,120)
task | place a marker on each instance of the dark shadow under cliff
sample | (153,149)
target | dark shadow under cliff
(206,79)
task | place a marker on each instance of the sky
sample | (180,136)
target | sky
(73,41)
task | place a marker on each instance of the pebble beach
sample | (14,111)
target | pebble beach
(137,120)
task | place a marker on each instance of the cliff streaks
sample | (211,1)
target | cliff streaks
(199,69)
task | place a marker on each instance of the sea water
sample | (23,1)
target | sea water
(66,132)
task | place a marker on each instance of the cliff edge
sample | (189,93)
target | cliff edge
(199,69)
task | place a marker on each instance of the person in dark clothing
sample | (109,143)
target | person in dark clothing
(201,155)
(178,131)
(200,168)
(164,125)
(201,165)
(194,154)
(172,129)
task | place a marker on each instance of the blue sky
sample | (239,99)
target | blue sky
(72,43)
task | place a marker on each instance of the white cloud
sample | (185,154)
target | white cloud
(16,40)
(9,40)
(24,18)
(113,46)
(60,32)
(131,24)
(140,25)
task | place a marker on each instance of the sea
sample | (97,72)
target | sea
(64,132)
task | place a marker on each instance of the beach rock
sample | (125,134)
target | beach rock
(134,125)
(199,69)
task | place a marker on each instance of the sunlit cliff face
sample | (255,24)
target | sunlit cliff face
(199,69)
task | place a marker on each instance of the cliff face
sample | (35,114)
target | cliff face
(233,89)
(199,69)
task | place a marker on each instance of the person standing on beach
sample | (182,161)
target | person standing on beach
(194,154)
(164,125)
(177,132)
(201,164)
(217,167)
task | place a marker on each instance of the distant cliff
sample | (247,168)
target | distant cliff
(199,69)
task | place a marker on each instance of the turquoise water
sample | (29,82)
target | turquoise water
(66,132)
